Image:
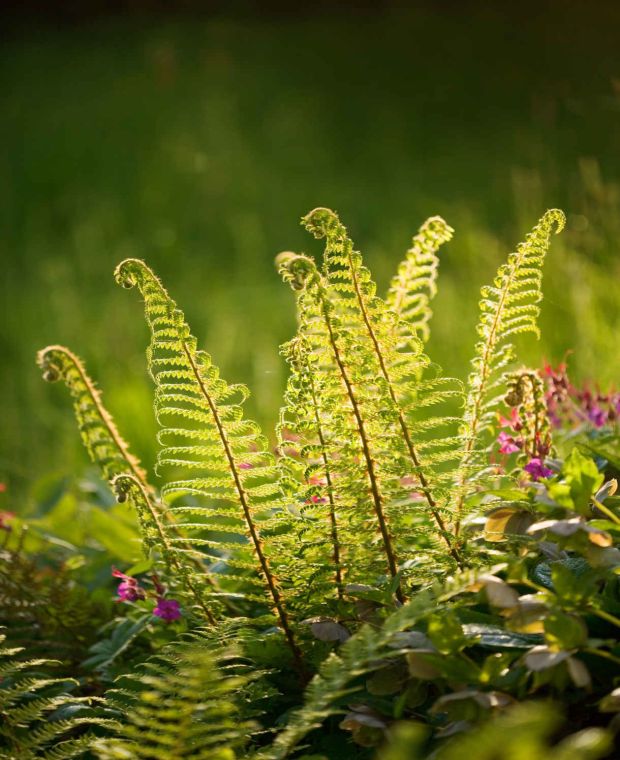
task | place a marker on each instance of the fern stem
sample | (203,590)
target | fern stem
(330,491)
(169,553)
(370,464)
(254,533)
(426,490)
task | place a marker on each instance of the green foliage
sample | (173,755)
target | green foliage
(38,718)
(346,556)
(179,710)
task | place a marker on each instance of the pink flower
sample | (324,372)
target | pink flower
(314,499)
(167,609)
(537,469)
(597,416)
(507,443)
(514,423)
(5,519)
(128,589)
(245,466)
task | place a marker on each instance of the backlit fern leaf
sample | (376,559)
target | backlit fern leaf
(415,283)
(216,455)
(395,377)
(509,306)
(104,444)
(179,712)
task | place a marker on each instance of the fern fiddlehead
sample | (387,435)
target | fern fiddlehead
(101,438)
(415,284)
(509,306)
(202,428)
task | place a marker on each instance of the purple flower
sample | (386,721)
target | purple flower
(507,443)
(128,589)
(167,609)
(537,469)
(597,416)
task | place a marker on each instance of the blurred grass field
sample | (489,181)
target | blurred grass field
(198,143)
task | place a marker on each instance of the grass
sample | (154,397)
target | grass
(198,143)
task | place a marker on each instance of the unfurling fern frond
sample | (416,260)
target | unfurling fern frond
(393,376)
(31,706)
(508,307)
(415,283)
(181,712)
(104,444)
(217,456)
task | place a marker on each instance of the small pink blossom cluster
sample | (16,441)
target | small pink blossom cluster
(130,590)
(568,405)
(511,440)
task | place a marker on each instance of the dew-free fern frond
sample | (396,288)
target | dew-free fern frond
(28,700)
(214,454)
(180,712)
(509,306)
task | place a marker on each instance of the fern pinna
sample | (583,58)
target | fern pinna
(203,430)
(510,305)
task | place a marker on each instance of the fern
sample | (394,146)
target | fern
(30,704)
(508,307)
(104,444)
(110,452)
(203,429)
(374,391)
(178,712)
(415,284)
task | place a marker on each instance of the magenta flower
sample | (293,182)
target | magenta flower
(537,469)
(507,444)
(597,416)
(167,609)
(129,589)
(314,499)
(5,519)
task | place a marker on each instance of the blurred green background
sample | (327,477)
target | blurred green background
(196,140)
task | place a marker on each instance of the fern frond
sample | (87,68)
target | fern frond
(509,306)
(415,283)
(184,711)
(29,703)
(395,354)
(104,444)
(217,455)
